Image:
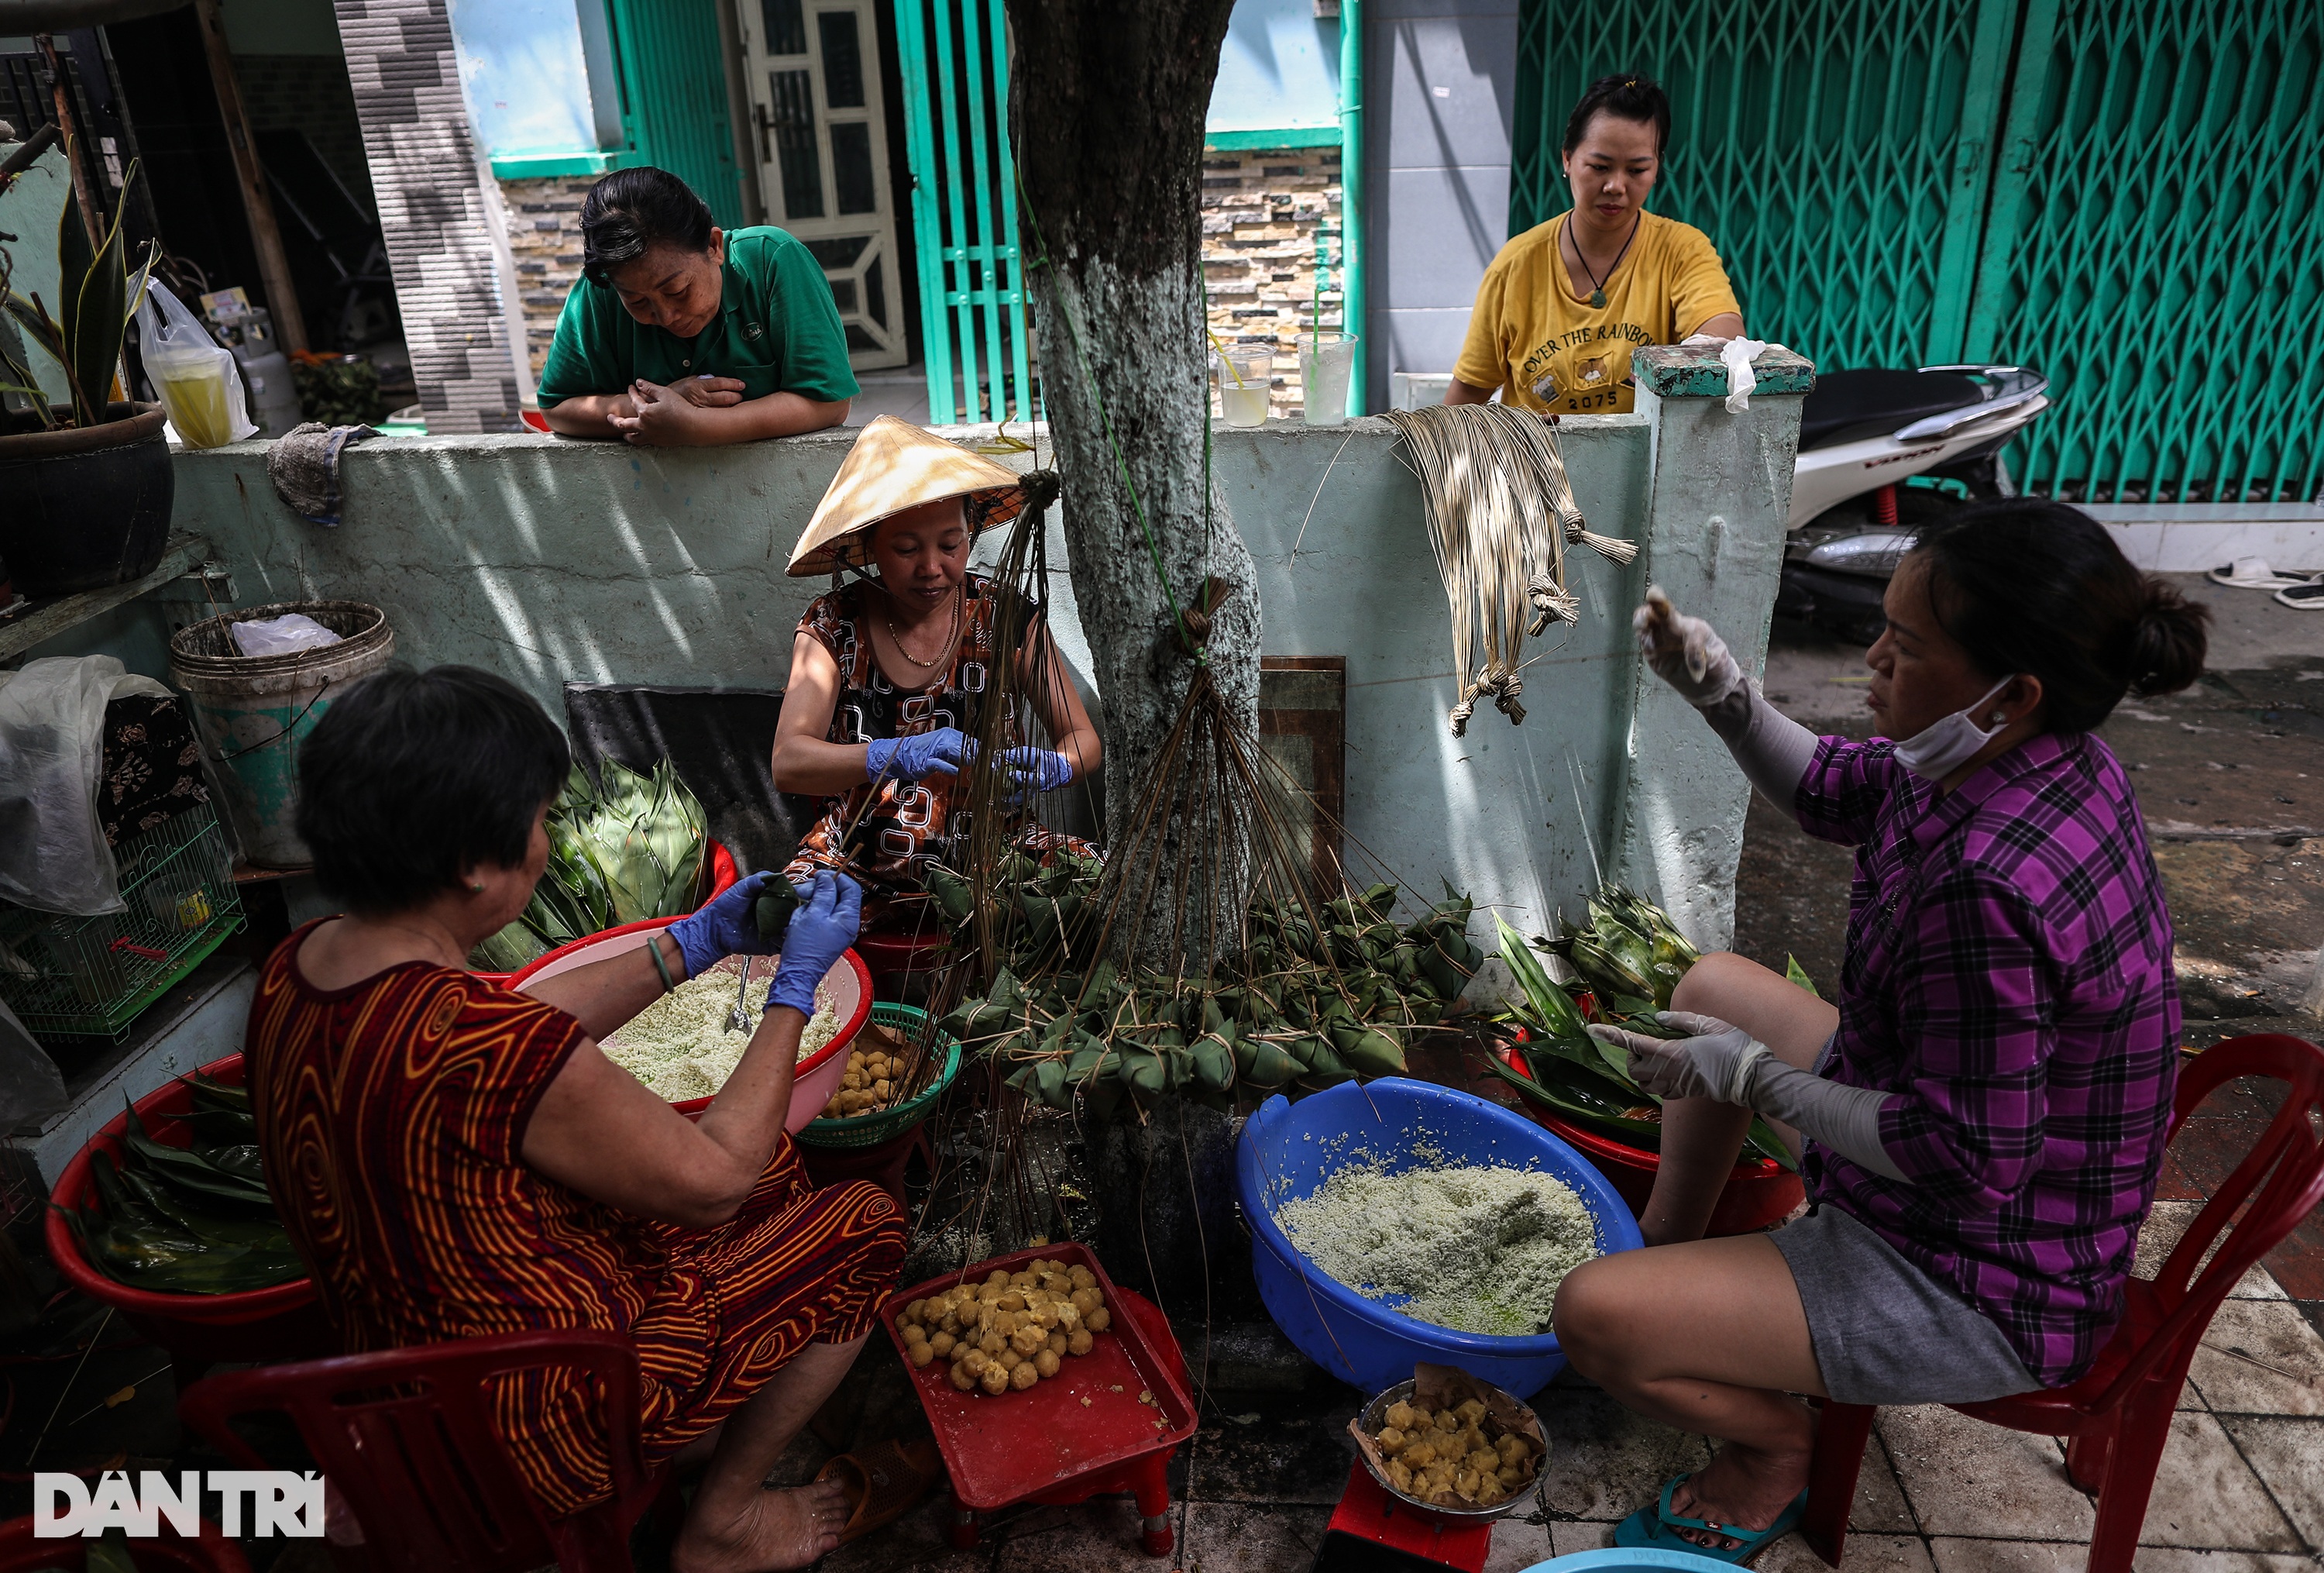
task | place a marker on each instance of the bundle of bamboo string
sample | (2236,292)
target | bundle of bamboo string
(1500,514)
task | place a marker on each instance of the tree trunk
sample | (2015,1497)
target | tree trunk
(1107,111)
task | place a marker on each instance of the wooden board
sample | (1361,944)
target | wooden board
(44,620)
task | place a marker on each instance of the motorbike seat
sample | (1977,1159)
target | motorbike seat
(1852,406)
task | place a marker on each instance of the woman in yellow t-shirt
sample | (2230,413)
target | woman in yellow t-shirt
(1565,304)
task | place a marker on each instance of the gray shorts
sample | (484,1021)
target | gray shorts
(1885,1332)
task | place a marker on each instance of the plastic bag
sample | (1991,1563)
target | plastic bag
(284,635)
(53,856)
(1737,354)
(193,372)
(31,1088)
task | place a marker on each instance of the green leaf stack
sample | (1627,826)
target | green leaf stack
(189,1220)
(1627,961)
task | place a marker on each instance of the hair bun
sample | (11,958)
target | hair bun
(2170,639)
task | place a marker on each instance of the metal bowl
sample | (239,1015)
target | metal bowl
(1375,1416)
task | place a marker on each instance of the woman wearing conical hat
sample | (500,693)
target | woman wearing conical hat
(891,672)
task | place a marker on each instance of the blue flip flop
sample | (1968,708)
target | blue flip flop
(1655,1527)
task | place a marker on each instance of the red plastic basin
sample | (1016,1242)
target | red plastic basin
(816,1077)
(167,1552)
(282,1322)
(1759,1192)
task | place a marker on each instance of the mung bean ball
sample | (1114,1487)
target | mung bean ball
(1080,1343)
(1024,1376)
(995,1380)
(1047,1363)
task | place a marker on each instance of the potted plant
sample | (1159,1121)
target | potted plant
(89,482)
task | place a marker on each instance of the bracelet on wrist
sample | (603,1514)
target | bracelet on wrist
(654,949)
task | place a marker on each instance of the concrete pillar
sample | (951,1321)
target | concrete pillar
(446,238)
(1718,492)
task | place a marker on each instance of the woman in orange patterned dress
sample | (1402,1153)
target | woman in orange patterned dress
(890,675)
(454,1159)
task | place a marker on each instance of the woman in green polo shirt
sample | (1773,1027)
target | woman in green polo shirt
(680,333)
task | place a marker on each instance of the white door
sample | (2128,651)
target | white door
(820,118)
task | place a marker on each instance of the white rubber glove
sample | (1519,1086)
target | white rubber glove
(1723,1061)
(1714,1062)
(1684,652)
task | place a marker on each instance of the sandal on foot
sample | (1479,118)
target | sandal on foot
(883,1483)
(1657,1527)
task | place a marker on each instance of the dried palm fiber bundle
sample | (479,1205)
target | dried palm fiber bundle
(1500,514)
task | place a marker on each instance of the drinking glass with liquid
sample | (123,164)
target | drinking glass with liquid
(1243,377)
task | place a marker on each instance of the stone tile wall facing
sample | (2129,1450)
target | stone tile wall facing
(1262,209)
(544,223)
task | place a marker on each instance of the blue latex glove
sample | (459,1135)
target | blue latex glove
(726,926)
(938,752)
(1032,771)
(823,925)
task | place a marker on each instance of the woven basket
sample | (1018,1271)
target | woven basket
(873,1129)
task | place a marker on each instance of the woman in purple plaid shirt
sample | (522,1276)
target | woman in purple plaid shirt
(1981,1119)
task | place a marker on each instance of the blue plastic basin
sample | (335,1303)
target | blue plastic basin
(1289,1150)
(1631,1559)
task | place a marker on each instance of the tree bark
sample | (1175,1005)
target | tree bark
(1108,103)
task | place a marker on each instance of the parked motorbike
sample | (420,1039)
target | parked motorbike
(1863,434)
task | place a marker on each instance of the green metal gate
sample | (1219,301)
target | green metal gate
(954,56)
(2124,197)
(674,97)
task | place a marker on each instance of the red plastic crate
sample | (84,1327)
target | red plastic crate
(1044,1444)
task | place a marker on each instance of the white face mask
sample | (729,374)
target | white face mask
(1950,741)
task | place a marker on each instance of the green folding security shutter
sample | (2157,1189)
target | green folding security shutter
(2158,222)
(1836,152)
(673,81)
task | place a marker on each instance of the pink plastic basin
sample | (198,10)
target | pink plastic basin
(817,1076)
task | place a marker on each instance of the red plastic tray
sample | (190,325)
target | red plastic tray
(1006,1450)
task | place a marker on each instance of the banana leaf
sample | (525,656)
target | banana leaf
(1799,975)
(509,949)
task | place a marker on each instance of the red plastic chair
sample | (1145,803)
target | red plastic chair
(2117,1419)
(407,1436)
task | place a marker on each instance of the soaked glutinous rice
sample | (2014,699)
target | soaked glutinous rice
(679,1046)
(1480,1248)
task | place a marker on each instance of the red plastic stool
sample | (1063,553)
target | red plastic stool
(2117,1419)
(897,956)
(884,1165)
(1147,1477)
(1371,1531)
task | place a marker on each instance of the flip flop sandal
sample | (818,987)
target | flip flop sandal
(2252,573)
(1657,1528)
(883,1483)
(2306,595)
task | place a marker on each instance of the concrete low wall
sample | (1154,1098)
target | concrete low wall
(550,562)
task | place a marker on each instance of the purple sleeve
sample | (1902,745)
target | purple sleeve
(1842,792)
(1966,1126)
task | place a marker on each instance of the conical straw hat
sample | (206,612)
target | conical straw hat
(894,465)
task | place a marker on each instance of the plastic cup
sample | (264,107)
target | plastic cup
(1243,377)
(1324,367)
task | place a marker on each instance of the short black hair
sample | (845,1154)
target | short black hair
(2028,584)
(1629,96)
(631,211)
(412,778)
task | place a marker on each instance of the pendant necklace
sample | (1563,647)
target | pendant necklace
(951,640)
(1596,286)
